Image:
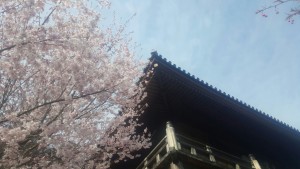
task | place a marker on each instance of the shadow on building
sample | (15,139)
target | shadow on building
(196,126)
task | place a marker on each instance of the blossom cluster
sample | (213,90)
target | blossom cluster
(68,87)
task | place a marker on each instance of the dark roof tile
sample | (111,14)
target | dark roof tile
(201,82)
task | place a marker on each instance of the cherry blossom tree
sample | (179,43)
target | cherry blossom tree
(276,5)
(68,86)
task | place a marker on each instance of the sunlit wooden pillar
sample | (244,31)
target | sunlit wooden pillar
(172,146)
(174,166)
(146,164)
(254,162)
(171,137)
(211,157)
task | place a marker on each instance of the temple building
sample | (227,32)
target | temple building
(196,126)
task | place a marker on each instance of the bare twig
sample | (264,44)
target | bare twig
(277,3)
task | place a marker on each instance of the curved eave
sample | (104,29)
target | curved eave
(220,96)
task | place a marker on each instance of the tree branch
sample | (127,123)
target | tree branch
(7,48)
(9,90)
(46,113)
(58,114)
(59,100)
(7,9)
(292,13)
(47,18)
(22,44)
(79,116)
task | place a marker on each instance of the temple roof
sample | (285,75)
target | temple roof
(158,59)
(206,113)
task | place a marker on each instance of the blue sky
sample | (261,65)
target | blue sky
(224,43)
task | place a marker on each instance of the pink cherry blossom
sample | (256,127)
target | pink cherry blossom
(68,93)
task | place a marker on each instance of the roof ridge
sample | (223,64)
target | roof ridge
(154,55)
